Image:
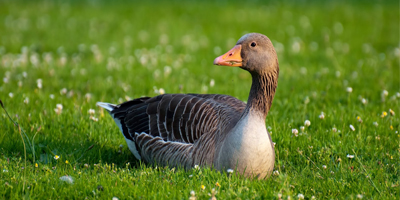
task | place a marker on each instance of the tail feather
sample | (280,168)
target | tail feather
(108,106)
(122,127)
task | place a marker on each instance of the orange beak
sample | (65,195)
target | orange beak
(231,58)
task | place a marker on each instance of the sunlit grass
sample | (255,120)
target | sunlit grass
(334,118)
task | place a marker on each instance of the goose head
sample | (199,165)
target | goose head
(253,52)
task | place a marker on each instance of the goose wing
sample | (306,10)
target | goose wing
(180,118)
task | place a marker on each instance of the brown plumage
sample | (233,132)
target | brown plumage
(208,129)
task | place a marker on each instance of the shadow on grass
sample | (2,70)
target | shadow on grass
(70,141)
(76,153)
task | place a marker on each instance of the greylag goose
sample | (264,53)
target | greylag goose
(213,130)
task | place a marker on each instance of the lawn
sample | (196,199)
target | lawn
(339,69)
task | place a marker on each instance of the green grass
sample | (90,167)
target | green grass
(114,51)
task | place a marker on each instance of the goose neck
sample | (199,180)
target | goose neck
(261,94)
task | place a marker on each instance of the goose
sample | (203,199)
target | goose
(219,131)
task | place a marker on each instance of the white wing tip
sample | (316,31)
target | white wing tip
(108,106)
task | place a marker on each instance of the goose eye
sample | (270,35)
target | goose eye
(253,44)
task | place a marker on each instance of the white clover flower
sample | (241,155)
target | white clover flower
(350,156)
(398,94)
(295,132)
(375,124)
(212,83)
(391,112)
(349,89)
(39,83)
(384,94)
(115,198)
(302,128)
(63,60)
(88,96)
(364,101)
(5,80)
(324,167)
(192,195)
(334,129)
(26,100)
(70,93)
(63,91)
(352,127)
(307,123)
(11,95)
(196,167)
(48,58)
(58,109)
(91,111)
(67,179)
(359,196)
(94,118)
(322,115)
(156,90)
(359,119)
(161,91)
(276,173)
(51,96)
(34,58)
(230,171)
(300,196)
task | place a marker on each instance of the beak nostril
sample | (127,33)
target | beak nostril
(230,54)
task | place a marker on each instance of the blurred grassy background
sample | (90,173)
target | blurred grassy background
(82,52)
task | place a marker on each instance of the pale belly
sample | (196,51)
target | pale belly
(248,149)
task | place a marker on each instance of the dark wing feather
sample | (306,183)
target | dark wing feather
(178,117)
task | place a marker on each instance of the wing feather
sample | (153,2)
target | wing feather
(167,124)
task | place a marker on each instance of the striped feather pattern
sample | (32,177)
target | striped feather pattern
(166,128)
